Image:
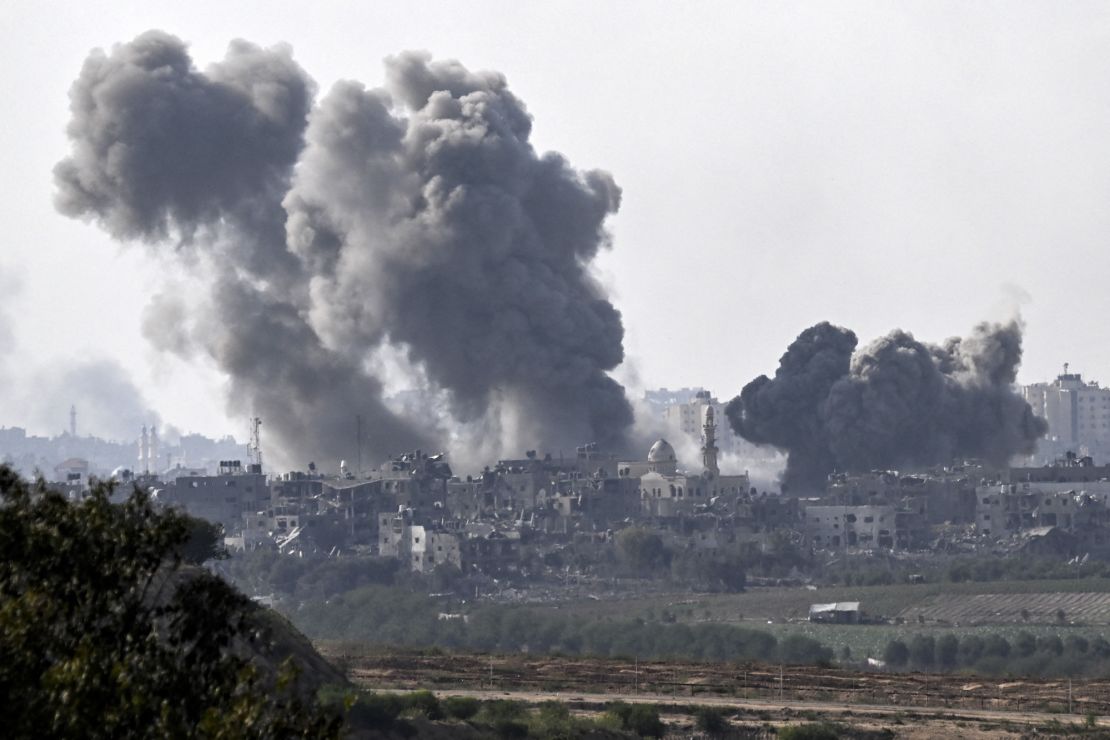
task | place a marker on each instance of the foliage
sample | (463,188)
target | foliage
(102,635)
(1024,655)
(642,719)
(642,550)
(711,721)
(896,654)
(809,731)
(461,707)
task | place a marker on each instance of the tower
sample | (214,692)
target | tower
(73,420)
(144,452)
(256,443)
(154,459)
(709,449)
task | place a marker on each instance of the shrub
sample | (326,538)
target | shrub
(810,731)
(711,721)
(642,719)
(461,707)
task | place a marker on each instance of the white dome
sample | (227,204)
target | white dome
(661,451)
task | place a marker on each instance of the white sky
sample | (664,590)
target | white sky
(917,165)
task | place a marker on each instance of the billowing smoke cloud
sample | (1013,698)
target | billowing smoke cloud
(430,222)
(415,217)
(897,402)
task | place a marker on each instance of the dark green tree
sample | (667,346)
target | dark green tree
(896,654)
(642,550)
(105,634)
(948,647)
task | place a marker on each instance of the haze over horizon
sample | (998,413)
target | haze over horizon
(953,177)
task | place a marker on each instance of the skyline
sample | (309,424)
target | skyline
(945,185)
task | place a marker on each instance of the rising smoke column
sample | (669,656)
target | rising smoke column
(200,162)
(416,217)
(430,222)
(896,402)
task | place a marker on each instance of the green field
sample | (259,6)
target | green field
(758,605)
(784,611)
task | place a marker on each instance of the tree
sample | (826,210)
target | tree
(642,550)
(922,651)
(104,633)
(896,654)
(948,647)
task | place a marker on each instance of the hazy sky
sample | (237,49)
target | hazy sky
(917,165)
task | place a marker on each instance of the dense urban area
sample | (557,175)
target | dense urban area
(591,553)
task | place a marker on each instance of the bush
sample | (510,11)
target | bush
(896,654)
(810,731)
(711,721)
(801,649)
(461,707)
(642,719)
(375,711)
(424,703)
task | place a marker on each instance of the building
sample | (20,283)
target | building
(840,612)
(221,498)
(688,416)
(1077,412)
(665,491)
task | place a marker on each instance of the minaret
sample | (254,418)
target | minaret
(73,420)
(709,451)
(144,452)
(154,448)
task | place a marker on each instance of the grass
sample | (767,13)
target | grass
(783,604)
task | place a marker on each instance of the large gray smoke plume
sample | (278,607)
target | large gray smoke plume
(897,402)
(416,217)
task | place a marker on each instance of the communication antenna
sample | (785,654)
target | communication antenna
(255,447)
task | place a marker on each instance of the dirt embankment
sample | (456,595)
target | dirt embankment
(697,681)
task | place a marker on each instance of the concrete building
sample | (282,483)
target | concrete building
(422,547)
(688,417)
(884,526)
(221,498)
(1077,412)
(665,491)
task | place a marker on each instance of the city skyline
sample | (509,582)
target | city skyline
(939,187)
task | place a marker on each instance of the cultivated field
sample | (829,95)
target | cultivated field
(905,704)
(995,608)
(783,604)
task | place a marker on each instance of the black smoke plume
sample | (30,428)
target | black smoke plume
(897,402)
(415,217)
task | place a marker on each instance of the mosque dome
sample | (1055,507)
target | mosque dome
(661,452)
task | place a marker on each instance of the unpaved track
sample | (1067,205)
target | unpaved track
(701,683)
(831,711)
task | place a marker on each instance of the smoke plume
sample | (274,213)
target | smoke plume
(415,217)
(897,402)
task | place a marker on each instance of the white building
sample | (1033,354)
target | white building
(688,417)
(1077,412)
